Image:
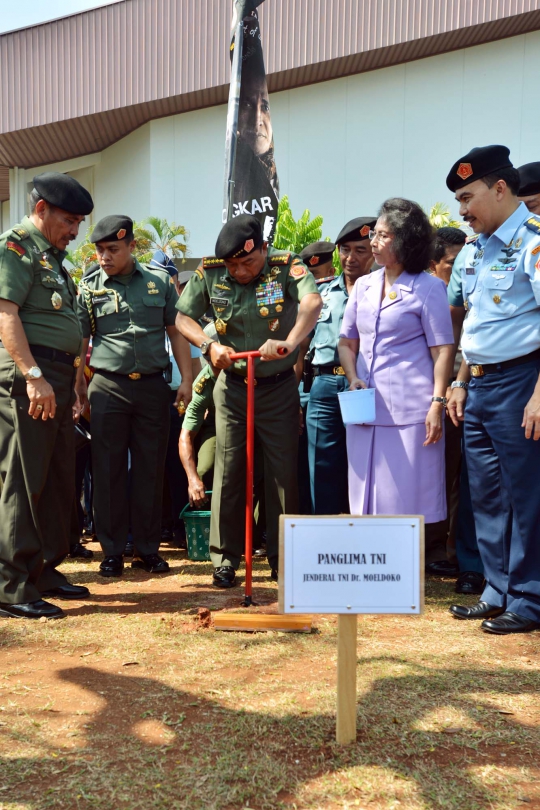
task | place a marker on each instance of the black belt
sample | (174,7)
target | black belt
(135,375)
(271,380)
(336,371)
(478,370)
(56,355)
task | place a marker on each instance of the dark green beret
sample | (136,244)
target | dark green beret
(529,179)
(239,237)
(356,230)
(479,162)
(317,253)
(112,229)
(64,192)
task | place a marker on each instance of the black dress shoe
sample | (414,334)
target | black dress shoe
(224,577)
(67,592)
(78,550)
(274,574)
(259,553)
(32,610)
(442,568)
(152,563)
(479,611)
(112,566)
(509,623)
(470,582)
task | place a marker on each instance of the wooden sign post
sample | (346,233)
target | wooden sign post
(349,565)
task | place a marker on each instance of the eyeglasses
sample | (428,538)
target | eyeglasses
(374,236)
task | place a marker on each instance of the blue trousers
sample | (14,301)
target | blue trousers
(327,447)
(467,551)
(504,474)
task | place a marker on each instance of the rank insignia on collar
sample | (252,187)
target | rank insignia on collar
(533,224)
(535,250)
(519,243)
(21,233)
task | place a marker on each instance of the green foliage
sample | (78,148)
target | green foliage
(440,217)
(160,236)
(293,234)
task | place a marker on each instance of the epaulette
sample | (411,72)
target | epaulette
(212,261)
(533,224)
(279,261)
(470,239)
(19,234)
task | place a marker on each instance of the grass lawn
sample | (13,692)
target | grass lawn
(130,703)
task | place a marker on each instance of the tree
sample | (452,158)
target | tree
(295,235)
(440,217)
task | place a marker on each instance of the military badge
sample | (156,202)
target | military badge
(121,233)
(392,295)
(364,231)
(151,284)
(44,263)
(298,270)
(56,300)
(15,248)
(497,299)
(537,265)
(279,308)
(21,233)
(249,245)
(219,302)
(314,260)
(519,243)
(273,325)
(221,327)
(535,250)
(464,171)
(264,311)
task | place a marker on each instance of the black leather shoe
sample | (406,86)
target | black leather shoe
(128,551)
(509,623)
(442,568)
(274,574)
(32,610)
(112,566)
(224,577)
(470,582)
(67,592)
(152,563)
(259,553)
(479,611)
(78,550)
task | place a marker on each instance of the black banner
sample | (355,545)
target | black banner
(252,185)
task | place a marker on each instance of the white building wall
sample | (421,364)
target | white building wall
(343,146)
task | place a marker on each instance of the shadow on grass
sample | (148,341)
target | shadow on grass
(217,757)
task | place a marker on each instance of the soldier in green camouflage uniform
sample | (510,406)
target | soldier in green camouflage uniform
(41,341)
(263,300)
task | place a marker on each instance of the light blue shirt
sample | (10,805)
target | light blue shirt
(325,340)
(500,288)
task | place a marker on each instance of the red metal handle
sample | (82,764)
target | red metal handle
(244,355)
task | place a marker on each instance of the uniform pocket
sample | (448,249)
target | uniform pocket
(50,282)
(154,307)
(106,317)
(501,291)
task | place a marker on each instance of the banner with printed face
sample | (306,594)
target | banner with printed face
(252,186)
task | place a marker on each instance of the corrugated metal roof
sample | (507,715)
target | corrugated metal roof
(75,85)
(4,183)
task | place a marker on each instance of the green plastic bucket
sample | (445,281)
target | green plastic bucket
(197,523)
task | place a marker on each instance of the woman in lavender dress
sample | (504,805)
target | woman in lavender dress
(397,337)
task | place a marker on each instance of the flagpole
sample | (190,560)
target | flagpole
(232,111)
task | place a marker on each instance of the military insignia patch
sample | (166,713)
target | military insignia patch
(364,231)
(535,250)
(279,260)
(199,273)
(221,327)
(279,308)
(151,284)
(537,265)
(219,302)
(264,311)
(44,263)
(21,233)
(56,300)
(519,243)
(121,233)
(533,224)
(249,245)
(273,325)
(314,260)
(212,261)
(470,271)
(297,270)
(464,171)
(15,248)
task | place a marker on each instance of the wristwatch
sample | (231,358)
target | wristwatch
(33,373)
(460,384)
(442,400)
(204,347)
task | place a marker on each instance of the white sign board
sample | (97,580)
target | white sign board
(347,564)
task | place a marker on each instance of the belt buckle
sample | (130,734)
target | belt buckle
(338,371)
(476,370)
(77,362)
(254,380)
(135,375)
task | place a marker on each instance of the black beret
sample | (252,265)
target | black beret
(529,179)
(64,192)
(479,162)
(317,253)
(239,237)
(112,229)
(356,230)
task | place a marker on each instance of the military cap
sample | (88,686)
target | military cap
(185,275)
(479,162)
(317,253)
(356,230)
(160,261)
(529,179)
(112,229)
(64,192)
(239,237)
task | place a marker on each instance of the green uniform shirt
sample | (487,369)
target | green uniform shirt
(248,314)
(201,401)
(127,316)
(32,276)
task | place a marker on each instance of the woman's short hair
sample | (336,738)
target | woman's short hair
(413,234)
